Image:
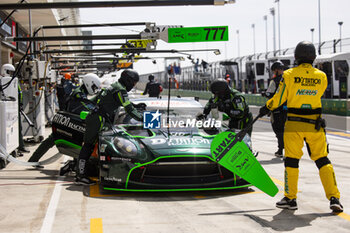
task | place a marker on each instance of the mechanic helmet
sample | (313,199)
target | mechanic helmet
(305,52)
(277,65)
(220,88)
(151,77)
(67,76)
(7,70)
(129,78)
(92,83)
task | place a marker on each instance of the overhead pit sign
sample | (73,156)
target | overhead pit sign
(124,65)
(141,43)
(198,34)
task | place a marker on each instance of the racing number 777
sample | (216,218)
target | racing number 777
(223,29)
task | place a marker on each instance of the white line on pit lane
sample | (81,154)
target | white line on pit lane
(51,210)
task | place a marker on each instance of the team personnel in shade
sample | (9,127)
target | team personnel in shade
(228,80)
(231,102)
(64,89)
(279,115)
(302,87)
(153,88)
(108,102)
(78,101)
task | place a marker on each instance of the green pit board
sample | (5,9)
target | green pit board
(198,34)
(235,156)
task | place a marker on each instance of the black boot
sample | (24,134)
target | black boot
(81,177)
(287,203)
(69,166)
(23,150)
(335,205)
(279,153)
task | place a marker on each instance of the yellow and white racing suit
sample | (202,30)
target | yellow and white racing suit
(302,87)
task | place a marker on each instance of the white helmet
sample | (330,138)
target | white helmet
(92,83)
(6,68)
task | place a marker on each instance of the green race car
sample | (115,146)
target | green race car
(171,152)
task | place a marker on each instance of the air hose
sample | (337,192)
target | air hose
(7,157)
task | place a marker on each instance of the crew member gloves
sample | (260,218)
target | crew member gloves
(263,111)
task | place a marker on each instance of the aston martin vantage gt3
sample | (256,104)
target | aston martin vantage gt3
(169,151)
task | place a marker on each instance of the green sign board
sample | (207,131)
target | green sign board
(234,155)
(197,34)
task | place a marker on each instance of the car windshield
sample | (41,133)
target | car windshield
(181,118)
(177,113)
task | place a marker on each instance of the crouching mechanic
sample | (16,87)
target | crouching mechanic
(108,102)
(231,102)
(302,87)
(77,102)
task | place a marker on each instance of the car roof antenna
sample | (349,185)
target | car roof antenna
(168,109)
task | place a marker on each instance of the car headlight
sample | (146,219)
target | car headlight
(125,147)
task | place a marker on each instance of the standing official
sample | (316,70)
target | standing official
(279,115)
(302,87)
(153,88)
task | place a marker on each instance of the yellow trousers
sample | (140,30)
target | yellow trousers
(295,134)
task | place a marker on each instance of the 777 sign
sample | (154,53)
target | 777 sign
(197,34)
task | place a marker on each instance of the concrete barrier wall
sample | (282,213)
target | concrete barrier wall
(339,107)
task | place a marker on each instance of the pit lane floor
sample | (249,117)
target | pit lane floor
(41,201)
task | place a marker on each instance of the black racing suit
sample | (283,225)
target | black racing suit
(108,102)
(63,92)
(279,115)
(77,102)
(235,107)
(153,88)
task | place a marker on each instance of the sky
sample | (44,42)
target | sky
(297,17)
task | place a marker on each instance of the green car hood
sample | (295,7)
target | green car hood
(164,142)
(161,145)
